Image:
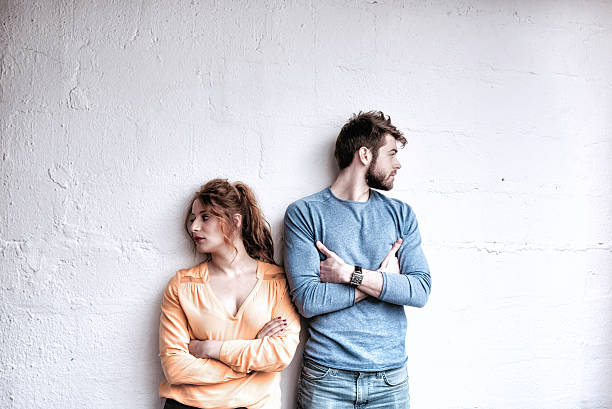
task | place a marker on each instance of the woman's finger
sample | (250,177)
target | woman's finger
(271,327)
(275,328)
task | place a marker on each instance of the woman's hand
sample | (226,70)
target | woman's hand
(212,348)
(272,328)
(205,349)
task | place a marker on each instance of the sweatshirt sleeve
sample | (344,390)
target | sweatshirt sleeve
(302,264)
(180,367)
(270,354)
(413,285)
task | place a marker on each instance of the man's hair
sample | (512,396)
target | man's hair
(364,129)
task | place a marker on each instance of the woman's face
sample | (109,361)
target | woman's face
(205,229)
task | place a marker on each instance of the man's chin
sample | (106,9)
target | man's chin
(382,186)
(379,183)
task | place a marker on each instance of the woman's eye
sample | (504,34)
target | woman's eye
(204,217)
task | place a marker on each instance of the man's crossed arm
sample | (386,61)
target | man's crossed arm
(334,270)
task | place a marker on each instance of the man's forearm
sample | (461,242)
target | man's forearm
(372,282)
(359,295)
(334,270)
(341,273)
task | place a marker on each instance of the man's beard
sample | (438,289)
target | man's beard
(376,179)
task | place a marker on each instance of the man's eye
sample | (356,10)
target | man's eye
(205,217)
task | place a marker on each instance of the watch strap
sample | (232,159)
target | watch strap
(357,276)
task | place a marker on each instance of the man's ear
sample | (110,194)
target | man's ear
(364,156)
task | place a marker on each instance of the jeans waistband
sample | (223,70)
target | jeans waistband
(335,371)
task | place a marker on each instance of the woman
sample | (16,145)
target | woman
(227,325)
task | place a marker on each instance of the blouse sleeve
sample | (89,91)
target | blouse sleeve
(180,367)
(270,354)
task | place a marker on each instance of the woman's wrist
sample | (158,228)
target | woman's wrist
(213,349)
(205,349)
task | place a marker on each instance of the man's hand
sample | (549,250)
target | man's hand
(205,349)
(273,327)
(333,268)
(390,264)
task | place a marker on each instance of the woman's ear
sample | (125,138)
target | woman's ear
(237,220)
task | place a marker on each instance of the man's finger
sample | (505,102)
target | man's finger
(324,250)
(396,246)
(391,253)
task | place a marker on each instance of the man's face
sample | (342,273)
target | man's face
(384,166)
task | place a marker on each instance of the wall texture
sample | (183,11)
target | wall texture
(113,113)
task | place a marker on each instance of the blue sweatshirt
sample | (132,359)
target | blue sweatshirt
(369,335)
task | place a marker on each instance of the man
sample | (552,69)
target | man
(353,289)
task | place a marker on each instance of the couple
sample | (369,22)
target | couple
(353,260)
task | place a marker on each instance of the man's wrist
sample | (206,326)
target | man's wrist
(348,273)
(357,277)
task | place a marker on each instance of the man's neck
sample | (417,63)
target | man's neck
(351,186)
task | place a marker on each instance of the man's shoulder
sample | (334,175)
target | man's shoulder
(304,202)
(391,201)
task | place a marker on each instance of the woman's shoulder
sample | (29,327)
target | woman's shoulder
(272,272)
(186,275)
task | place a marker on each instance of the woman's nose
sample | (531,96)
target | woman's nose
(195,226)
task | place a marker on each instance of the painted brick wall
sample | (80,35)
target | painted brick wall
(113,113)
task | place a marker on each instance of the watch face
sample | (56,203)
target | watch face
(356,278)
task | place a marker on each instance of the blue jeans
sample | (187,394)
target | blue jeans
(320,387)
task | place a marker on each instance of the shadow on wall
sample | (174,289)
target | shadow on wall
(157,373)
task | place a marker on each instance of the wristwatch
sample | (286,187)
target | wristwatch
(357,277)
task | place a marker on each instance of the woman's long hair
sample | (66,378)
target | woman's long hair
(223,199)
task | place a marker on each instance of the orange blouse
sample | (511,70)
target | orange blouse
(248,373)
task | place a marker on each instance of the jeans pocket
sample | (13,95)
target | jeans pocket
(394,377)
(312,371)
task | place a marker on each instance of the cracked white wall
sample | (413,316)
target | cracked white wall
(112,114)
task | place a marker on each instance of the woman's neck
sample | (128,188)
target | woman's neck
(231,261)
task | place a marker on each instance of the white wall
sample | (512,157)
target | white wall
(113,113)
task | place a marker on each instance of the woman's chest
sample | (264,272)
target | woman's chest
(209,318)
